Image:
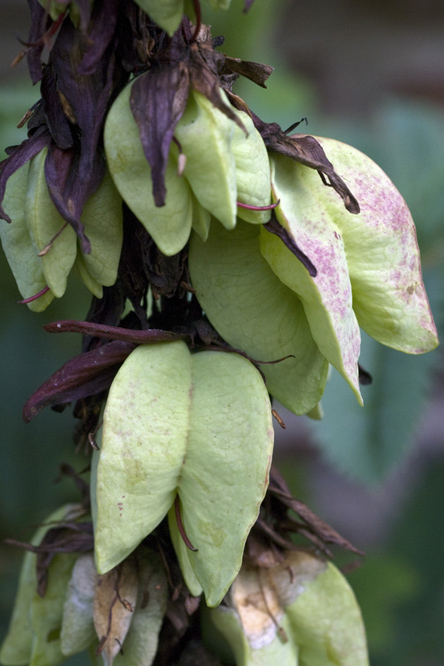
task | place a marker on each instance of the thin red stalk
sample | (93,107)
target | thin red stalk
(269,207)
(35,297)
(180,526)
(112,332)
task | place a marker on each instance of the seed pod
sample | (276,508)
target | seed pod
(20,252)
(44,222)
(77,632)
(114,602)
(47,613)
(327,297)
(169,225)
(252,170)
(205,135)
(171,419)
(326,622)
(383,258)
(166,13)
(301,610)
(86,277)
(102,218)
(17,647)
(255,312)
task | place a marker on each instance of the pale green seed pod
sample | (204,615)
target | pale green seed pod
(44,222)
(327,297)
(102,218)
(205,135)
(299,610)
(326,622)
(77,629)
(47,613)
(169,225)
(166,13)
(18,646)
(377,249)
(19,249)
(171,419)
(252,170)
(255,312)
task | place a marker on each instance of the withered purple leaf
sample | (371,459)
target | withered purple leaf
(306,150)
(274,227)
(56,119)
(203,70)
(158,100)
(101,31)
(112,332)
(35,42)
(87,374)
(75,174)
(68,190)
(84,7)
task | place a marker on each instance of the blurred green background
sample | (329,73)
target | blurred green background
(369,73)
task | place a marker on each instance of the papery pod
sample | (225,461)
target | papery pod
(255,312)
(327,297)
(303,603)
(201,219)
(252,170)
(383,260)
(90,283)
(115,598)
(280,650)
(77,632)
(17,647)
(173,418)
(166,13)
(141,642)
(47,613)
(102,218)
(327,624)
(44,222)
(19,249)
(169,225)
(205,135)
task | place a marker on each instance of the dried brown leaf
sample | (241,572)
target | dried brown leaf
(114,600)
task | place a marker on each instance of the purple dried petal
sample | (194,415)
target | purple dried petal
(247,5)
(84,375)
(72,176)
(56,119)
(158,99)
(35,41)
(18,158)
(84,7)
(68,190)
(102,28)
